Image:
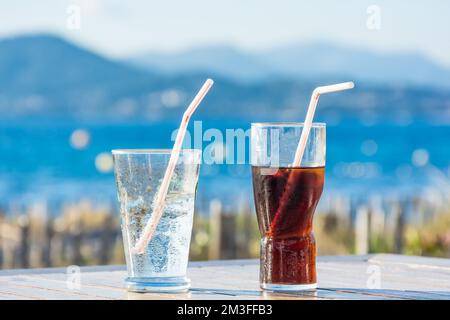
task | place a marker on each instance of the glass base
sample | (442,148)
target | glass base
(288,287)
(165,284)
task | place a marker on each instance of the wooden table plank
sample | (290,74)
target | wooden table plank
(339,277)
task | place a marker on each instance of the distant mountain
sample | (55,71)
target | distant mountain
(221,60)
(315,60)
(45,77)
(46,72)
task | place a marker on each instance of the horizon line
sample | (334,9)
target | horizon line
(227,45)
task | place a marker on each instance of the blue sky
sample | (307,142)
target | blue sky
(121,28)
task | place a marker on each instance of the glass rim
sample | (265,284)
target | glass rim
(288,124)
(152,151)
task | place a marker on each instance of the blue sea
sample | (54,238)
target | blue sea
(39,162)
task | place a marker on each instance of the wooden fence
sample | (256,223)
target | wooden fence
(82,234)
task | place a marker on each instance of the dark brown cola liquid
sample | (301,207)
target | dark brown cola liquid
(285,200)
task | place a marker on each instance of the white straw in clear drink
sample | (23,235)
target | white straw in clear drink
(162,265)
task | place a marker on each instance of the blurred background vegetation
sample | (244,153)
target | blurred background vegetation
(85,234)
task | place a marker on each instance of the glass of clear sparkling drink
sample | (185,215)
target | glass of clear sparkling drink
(139,173)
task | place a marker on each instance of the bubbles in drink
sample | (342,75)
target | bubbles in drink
(285,204)
(167,251)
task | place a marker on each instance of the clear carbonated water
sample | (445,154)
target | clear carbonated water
(168,250)
(139,174)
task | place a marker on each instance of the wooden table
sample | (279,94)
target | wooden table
(378,276)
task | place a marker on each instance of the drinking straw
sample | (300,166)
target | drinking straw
(310,115)
(152,223)
(304,138)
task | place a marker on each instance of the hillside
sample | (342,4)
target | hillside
(46,77)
